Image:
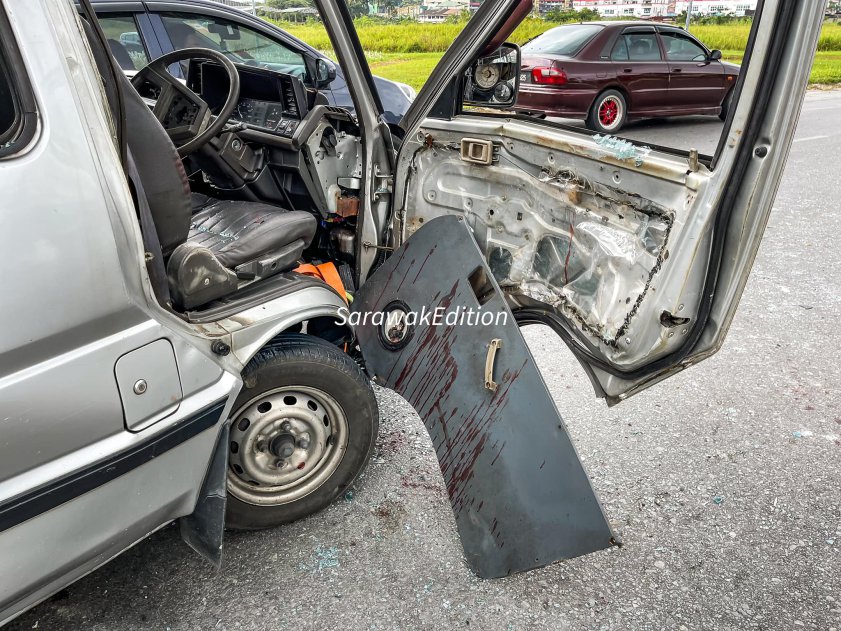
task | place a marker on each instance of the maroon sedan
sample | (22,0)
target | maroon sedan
(608,73)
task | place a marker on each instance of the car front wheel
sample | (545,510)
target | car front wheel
(608,113)
(302,430)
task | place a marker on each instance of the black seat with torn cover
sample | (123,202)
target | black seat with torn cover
(224,245)
(230,242)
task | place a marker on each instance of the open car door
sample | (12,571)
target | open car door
(636,257)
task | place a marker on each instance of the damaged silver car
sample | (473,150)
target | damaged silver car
(184,262)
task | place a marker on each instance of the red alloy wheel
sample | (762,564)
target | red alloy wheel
(608,111)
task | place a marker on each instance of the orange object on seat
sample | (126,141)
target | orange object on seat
(326,272)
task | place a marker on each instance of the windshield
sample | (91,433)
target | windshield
(238,42)
(563,40)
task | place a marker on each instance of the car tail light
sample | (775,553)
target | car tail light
(549,76)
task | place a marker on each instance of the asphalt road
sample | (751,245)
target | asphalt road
(685,132)
(724,482)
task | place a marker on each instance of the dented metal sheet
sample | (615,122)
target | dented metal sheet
(519,492)
(586,249)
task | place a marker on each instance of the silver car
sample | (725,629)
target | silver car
(201,281)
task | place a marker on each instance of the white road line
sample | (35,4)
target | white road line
(809,138)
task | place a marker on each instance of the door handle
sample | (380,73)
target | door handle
(494,345)
(676,70)
(628,70)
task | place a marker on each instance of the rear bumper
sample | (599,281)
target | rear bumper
(562,101)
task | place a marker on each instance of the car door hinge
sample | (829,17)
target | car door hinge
(383,183)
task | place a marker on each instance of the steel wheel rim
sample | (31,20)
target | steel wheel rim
(610,112)
(284,444)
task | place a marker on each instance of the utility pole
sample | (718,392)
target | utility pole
(688,14)
(254,7)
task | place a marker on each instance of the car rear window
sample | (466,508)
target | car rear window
(563,40)
(7,104)
(18,118)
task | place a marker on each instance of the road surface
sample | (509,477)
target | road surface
(724,482)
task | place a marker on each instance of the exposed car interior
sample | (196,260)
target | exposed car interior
(265,177)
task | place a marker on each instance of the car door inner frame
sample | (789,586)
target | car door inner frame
(781,29)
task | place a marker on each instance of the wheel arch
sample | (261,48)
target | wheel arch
(255,328)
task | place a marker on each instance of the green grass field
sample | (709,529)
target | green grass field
(414,68)
(408,51)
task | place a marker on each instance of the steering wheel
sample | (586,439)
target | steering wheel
(183,113)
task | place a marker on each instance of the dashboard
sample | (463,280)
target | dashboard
(269,101)
(266,115)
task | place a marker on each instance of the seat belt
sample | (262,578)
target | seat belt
(151,245)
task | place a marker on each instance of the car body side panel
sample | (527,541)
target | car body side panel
(520,494)
(566,103)
(51,358)
(45,553)
(572,100)
(646,83)
(695,85)
(73,258)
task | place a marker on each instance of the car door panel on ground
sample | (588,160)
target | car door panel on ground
(475,387)
(694,79)
(641,71)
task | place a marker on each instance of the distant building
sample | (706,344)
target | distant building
(408,10)
(545,6)
(665,8)
(436,16)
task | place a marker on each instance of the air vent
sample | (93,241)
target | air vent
(290,103)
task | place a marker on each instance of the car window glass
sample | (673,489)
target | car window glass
(681,48)
(124,40)
(642,46)
(238,42)
(564,40)
(7,105)
(620,50)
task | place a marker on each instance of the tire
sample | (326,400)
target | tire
(600,118)
(303,429)
(726,104)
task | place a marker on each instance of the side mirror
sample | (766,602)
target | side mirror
(715,55)
(325,72)
(493,81)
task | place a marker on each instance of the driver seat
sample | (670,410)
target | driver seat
(210,247)
(232,243)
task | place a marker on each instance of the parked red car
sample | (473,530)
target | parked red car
(608,73)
